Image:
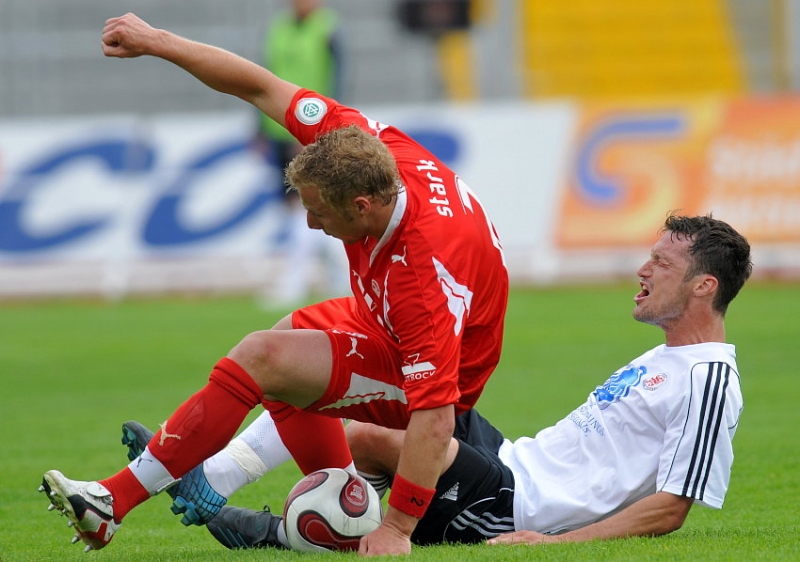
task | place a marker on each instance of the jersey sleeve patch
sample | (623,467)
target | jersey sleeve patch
(310,111)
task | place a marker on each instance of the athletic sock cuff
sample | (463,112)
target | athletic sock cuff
(279,411)
(228,374)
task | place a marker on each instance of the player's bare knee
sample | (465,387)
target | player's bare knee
(259,354)
(358,440)
(374,448)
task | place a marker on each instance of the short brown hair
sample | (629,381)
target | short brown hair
(716,249)
(343,164)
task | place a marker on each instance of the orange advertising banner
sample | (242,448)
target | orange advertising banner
(630,166)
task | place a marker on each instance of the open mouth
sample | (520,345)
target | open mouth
(643,294)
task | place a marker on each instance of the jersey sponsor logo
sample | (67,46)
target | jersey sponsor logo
(414,371)
(310,111)
(618,386)
(587,422)
(654,382)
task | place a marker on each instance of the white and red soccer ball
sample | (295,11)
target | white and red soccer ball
(330,509)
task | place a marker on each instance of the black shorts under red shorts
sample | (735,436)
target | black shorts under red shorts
(474,499)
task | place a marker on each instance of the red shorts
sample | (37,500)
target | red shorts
(366,382)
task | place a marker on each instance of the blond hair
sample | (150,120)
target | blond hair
(344,164)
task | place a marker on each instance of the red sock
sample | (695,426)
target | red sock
(315,441)
(207,421)
(198,429)
(127,492)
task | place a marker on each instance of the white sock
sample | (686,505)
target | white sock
(282,538)
(262,438)
(378,481)
(149,471)
(254,452)
(227,471)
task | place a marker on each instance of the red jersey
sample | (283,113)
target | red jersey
(436,281)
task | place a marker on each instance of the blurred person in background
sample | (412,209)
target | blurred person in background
(302,45)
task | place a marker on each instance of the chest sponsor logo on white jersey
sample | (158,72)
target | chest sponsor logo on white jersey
(416,371)
(654,382)
(619,385)
(587,422)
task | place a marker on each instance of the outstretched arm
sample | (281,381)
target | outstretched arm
(654,515)
(128,36)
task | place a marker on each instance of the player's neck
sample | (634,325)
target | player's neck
(691,331)
(379,219)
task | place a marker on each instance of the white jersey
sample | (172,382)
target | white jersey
(662,423)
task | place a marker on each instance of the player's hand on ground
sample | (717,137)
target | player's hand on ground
(520,537)
(384,541)
(127,36)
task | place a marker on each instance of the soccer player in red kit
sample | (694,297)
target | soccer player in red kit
(411,350)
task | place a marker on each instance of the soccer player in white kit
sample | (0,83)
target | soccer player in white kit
(647,444)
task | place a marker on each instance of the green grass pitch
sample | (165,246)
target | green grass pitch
(72,372)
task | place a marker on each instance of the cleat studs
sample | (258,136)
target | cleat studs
(88,548)
(41,487)
(53,493)
(75,539)
(70,523)
(51,507)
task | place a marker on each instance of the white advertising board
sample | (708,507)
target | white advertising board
(118,204)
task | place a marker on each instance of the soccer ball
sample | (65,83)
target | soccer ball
(330,509)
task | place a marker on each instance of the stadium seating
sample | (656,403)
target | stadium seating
(50,59)
(615,48)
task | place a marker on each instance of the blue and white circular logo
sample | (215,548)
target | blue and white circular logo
(310,111)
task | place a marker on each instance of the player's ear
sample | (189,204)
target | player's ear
(362,205)
(705,285)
